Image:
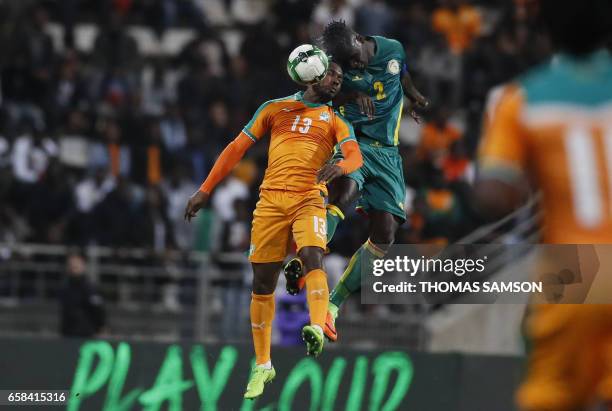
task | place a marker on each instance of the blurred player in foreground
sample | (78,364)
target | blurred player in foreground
(372,99)
(303,130)
(553,128)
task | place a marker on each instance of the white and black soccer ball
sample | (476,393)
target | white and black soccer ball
(307,64)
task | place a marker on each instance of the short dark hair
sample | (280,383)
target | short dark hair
(577,27)
(337,41)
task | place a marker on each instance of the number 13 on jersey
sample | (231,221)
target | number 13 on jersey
(303,129)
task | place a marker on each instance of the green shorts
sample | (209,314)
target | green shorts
(380,179)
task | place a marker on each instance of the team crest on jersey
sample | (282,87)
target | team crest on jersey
(393,66)
(324,117)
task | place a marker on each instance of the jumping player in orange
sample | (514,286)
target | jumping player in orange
(303,130)
(553,128)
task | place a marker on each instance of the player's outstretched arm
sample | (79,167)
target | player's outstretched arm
(411,91)
(352,161)
(228,159)
(417,100)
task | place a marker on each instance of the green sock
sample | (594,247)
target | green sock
(333,309)
(334,216)
(350,282)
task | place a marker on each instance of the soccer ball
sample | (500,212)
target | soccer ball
(307,64)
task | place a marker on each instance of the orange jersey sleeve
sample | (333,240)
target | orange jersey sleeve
(352,157)
(503,150)
(227,160)
(261,123)
(343,130)
(345,137)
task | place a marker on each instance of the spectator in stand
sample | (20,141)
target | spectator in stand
(196,90)
(207,47)
(442,71)
(37,45)
(235,238)
(235,187)
(5,152)
(73,140)
(292,314)
(164,14)
(155,229)
(240,85)
(110,153)
(82,312)
(117,91)
(329,10)
(437,137)
(176,188)
(88,193)
(249,12)
(374,18)
(114,47)
(457,166)
(50,218)
(173,130)
(218,131)
(118,218)
(13,226)
(459,22)
(437,212)
(296,19)
(413,29)
(155,91)
(32,152)
(69,91)
(155,150)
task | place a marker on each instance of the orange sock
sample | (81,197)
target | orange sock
(317,294)
(262,315)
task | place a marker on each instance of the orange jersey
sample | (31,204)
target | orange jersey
(460,27)
(302,138)
(435,140)
(556,125)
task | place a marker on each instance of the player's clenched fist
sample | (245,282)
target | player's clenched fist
(197,200)
(328,173)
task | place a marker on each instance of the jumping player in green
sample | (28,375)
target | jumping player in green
(375,82)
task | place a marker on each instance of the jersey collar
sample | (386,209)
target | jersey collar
(299,96)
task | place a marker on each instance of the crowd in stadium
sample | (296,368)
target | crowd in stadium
(104,147)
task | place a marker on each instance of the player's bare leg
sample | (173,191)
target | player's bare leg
(265,276)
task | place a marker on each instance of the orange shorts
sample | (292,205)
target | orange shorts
(280,214)
(570,365)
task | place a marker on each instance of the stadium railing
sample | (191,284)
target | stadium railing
(183,295)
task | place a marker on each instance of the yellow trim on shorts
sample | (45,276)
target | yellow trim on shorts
(397,125)
(335,210)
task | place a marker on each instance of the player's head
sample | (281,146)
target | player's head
(327,88)
(345,46)
(577,27)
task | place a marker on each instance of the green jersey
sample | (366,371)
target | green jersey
(381,80)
